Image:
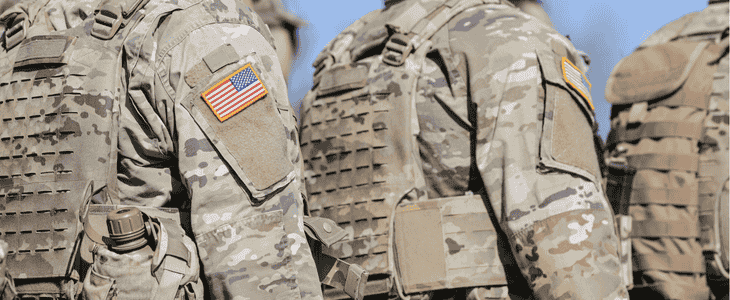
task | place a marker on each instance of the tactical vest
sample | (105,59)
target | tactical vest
(59,108)
(362,162)
(668,154)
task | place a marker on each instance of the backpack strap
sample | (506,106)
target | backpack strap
(416,25)
(112,15)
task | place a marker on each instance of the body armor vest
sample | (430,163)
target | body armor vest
(59,108)
(668,161)
(358,139)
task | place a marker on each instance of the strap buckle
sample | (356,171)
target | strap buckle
(357,278)
(107,22)
(397,49)
(17,32)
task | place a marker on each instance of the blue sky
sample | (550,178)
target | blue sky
(606,30)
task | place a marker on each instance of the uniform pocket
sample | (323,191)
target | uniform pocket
(258,268)
(567,139)
(239,114)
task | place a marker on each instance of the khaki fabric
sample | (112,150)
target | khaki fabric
(664,97)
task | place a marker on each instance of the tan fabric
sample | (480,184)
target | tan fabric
(664,96)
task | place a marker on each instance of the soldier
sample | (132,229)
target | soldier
(176,104)
(668,157)
(533,8)
(454,142)
(283,26)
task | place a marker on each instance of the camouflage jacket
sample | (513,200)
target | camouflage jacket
(240,178)
(504,109)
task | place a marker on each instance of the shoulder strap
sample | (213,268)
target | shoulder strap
(112,15)
(416,25)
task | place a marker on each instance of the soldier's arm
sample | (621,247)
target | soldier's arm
(535,153)
(236,151)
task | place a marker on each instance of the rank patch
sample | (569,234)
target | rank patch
(235,92)
(577,80)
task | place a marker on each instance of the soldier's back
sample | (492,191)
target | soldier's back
(668,153)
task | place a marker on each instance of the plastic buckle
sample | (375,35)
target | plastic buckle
(397,49)
(107,22)
(16,33)
(357,277)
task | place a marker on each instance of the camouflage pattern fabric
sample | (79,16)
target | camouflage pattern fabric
(669,120)
(240,179)
(7,288)
(497,117)
(533,8)
(283,26)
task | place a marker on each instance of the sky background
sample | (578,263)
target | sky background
(606,30)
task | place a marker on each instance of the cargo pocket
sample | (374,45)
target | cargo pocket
(127,276)
(258,268)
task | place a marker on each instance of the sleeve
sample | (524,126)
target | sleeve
(234,136)
(535,153)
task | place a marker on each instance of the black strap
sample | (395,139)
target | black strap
(620,179)
(112,15)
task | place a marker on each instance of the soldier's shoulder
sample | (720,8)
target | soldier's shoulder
(496,27)
(668,31)
(712,19)
(194,14)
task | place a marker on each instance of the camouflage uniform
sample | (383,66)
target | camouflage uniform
(240,179)
(533,8)
(283,26)
(668,157)
(497,115)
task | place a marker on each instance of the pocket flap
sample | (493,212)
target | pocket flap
(652,72)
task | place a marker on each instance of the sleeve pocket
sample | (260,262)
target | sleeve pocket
(252,138)
(567,137)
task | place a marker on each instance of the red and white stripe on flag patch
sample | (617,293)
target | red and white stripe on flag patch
(235,92)
(577,80)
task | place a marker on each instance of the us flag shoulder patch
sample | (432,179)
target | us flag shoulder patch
(577,80)
(235,92)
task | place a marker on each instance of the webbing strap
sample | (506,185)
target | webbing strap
(416,26)
(682,129)
(170,281)
(663,196)
(688,263)
(619,181)
(337,273)
(655,228)
(658,161)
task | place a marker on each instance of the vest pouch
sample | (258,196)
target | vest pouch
(451,243)
(166,268)
(715,239)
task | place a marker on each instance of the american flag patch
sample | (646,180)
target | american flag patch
(235,92)
(577,80)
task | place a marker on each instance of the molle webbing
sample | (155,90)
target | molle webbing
(358,140)
(713,174)
(48,113)
(58,134)
(668,203)
(666,128)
